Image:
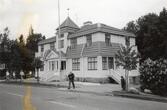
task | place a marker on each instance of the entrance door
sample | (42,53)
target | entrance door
(63,65)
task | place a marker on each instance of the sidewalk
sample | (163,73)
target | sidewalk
(94,88)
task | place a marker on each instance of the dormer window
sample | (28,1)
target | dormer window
(73,42)
(89,40)
(107,39)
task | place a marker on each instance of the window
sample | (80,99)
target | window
(104,63)
(61,43)
(127,41)
(110,63)
(42,48)
(73,42)
(92,63)
(107,63)
(52,46)
(75,64)
(42,68)
(61,36)
(52,65)
(89,40)
(107,39)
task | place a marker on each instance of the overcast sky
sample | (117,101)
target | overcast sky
(18,15)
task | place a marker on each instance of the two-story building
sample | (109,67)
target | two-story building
(88,51)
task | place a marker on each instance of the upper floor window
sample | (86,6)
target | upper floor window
(107,39)
(61,36)
(89,40)
(52,46)
(127,41)
(92,63)
(61,43)
(73,42)
(42,48)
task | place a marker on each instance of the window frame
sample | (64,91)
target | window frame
(89,39)
(92,63)
(76,64)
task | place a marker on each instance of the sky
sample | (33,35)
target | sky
(19,15)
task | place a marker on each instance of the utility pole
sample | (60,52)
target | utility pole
(59,33)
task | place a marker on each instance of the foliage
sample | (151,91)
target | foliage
(151,35)
(17,54)
(154,76)
(37,63)
(128,59)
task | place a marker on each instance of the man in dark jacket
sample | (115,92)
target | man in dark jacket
(71,77)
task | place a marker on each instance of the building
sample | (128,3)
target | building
(87,51)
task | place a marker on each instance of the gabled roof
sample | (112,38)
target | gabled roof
(47,52)
(98,27)
(48,40)
(68,23)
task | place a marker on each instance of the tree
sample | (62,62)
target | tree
(37,64)
(128,59)
(131,27)
(5,46)
(151,35)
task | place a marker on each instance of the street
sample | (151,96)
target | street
(15,97)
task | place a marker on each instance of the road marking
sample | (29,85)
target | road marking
(62,104)
(27,100)
(14,94)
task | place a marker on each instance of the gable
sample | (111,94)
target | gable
(52,55)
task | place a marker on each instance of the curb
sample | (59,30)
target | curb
(139,96)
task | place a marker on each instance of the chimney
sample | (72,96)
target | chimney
(87,23)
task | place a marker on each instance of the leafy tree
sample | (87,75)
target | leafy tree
(151,35)
(128,59)
(131,27)
(5,46)
(37,63)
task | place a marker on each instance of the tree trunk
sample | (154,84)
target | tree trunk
(127,79)
(37,75)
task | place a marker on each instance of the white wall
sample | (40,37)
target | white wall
(118,39)
(81,40)
(98,37)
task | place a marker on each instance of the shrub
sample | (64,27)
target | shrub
(154,76)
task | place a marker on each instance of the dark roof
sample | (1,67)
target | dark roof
(68,23)
(46,41)
(98,27)
(96,49)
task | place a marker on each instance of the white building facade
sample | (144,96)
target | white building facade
(88,51)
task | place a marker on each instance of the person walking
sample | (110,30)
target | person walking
(71,77)
(123,83)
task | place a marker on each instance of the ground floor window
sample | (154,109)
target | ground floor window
(107,63)
(52,65)
(42,68)
(92,63)
(75,64)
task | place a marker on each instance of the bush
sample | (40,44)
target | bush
(154,76)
